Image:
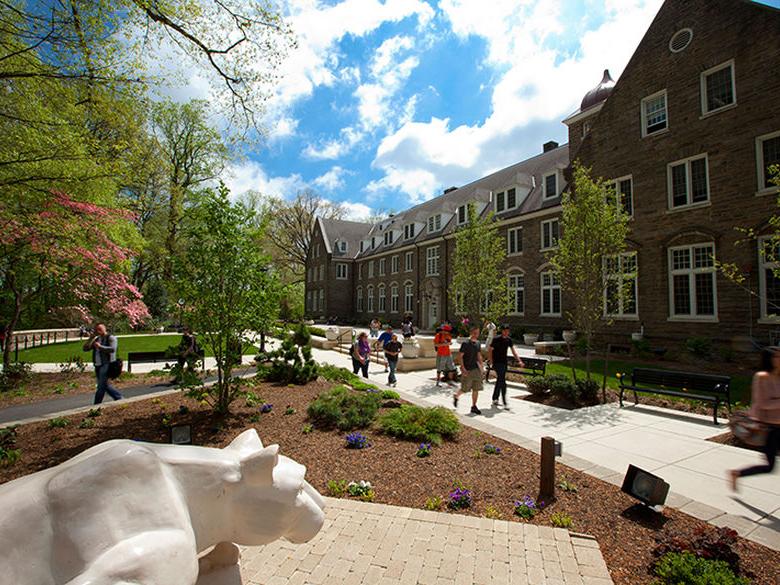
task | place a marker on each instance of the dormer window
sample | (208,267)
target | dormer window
(362,246)
(388,238)
(408,231)
(506,200)
(373,242)
(550,186)
(434,223)
(342,247)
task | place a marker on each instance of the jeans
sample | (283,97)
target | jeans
(103,385)
(770,452)
(500,387)
(392,364)
(358,367)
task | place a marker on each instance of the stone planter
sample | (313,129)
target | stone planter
(569,335)
(530,338)
(636,337)
(332,333)
(410,349)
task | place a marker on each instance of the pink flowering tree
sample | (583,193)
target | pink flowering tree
(64,252)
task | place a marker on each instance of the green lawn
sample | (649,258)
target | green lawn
(740,384)
(60,352)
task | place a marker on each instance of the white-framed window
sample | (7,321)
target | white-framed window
(551,233)
(394,262)
(370,297)
(394,298)
(432,261)
(487,300)
(342,246)
(341,271)
(718,89)
(321,304)
(388,237)
(769,278)
(516,294)
(624,193)
(409,262)
(382,299)
(551,294)
(506,200)
(408,297)
(434,223)
(692,290)
(550,185)
(585,128)
(514,241)
(463,212)
(654,116)
(408,231)
(371,269)
(360,299)
(767,154)
(382,266)
(620,292)
(688,182)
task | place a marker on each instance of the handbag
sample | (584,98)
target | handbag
(115,369)
(747,429)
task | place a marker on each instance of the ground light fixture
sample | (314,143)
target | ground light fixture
(649,489)
(181,435)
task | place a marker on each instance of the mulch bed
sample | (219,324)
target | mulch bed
(46,386)
(626,531)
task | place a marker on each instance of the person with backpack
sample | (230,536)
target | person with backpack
(104,348)
(392,351)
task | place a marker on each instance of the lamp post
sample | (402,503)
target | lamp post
(180,303)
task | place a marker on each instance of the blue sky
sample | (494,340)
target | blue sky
(386,102)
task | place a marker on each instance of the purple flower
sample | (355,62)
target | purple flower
(266,408)
(460,498)
(357,441)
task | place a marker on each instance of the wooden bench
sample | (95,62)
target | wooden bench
(153,357)
(531,367)
(691,385)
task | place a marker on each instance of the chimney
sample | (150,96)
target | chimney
(450,190)
(548,146)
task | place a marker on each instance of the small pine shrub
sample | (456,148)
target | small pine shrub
(562,386)
(59,423)
(538,385)
(434,503)
(87,423)
(415,423)
(307,429)
(94,412)
(9,454)
(676,568)
(336,487)
(493,513)
(14,376)
(343,409)
(561,520)
(587,391)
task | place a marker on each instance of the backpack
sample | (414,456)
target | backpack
(115,369)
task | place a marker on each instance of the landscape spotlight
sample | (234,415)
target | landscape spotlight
(645,487)
(181,435)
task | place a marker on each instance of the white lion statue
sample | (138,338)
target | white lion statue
(126,512)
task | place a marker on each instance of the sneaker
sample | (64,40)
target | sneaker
(475,410)
(495,404)
(437,384)
(506,406)
(455,400)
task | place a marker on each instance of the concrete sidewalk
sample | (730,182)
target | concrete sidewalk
(603,440)
(377,544)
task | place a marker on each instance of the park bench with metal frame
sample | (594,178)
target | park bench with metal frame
(531,367)
(154,357)
(690,385)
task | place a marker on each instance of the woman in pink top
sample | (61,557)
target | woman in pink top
(765,406)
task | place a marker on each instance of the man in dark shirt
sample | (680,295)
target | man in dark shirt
(470,359)
(384,339)
(392,350)
(497,358)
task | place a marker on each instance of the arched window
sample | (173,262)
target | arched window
(370,291)
(382,302)
(360,299)
(394,298)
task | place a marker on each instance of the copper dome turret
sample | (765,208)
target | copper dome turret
(599,93)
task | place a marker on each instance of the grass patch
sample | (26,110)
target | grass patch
(415,423)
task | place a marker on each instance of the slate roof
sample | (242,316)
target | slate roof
(334,230)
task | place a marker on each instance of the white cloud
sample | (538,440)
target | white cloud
(537,86)
(356,211)
(250,176)
(333,149)
(332,180)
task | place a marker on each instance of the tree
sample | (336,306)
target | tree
(65,251)
(224,279)
(479,284)
(594,230)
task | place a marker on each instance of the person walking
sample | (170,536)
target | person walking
(470,360)
(444,362)
(104,349)
(384,339)
(392,351)
(374,327)
(497,357)
(764,407)
(407,329)
(361,351)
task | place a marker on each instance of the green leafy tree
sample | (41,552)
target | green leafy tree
(229,293)
(594,229)
(479,283)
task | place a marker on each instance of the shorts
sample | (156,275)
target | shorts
(444,363)
(471,380)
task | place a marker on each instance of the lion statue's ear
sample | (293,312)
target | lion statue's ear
(246,443)
(258,467)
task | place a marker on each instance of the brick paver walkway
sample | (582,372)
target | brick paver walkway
(377,544)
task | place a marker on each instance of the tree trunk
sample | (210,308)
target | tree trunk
(587,356)
(12,324)
(604,377)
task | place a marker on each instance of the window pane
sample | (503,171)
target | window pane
(679,187)
(626,196)
(719,90)
(682,295)
(613,299)
(629,299)
(519,300)
(550,186)
(556,300)
(511,199)
(499,201)
(681,259)
(772,292)
(705,294)
(655,114)
(699,180)
(546,301)
(771,152)
(702,257)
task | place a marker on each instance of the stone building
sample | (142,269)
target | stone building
(686,133)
